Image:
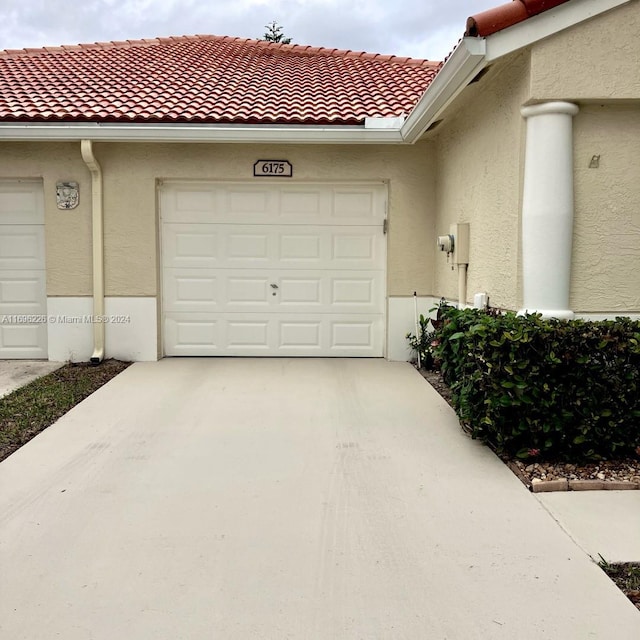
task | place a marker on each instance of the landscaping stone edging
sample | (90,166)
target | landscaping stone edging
(563,484)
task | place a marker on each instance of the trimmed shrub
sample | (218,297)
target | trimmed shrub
(550,388)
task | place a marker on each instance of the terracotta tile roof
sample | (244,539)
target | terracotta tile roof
(207,79)
(506,15)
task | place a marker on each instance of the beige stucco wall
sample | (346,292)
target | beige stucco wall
(596,65)
(479,166)
(130,224)
(606,253)
(68,233)
(598,59)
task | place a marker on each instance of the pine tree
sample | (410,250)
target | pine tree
(274,33)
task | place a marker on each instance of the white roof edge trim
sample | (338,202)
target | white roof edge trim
(111,132)
(474,54)
(466,61)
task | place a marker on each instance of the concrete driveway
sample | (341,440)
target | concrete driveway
(271,499)
(16,373)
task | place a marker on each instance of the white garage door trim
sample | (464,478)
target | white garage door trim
(273,268)
(23,297)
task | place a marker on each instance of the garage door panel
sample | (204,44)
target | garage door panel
(328,291)
(21,203)
(248,335)
(273,335)
(188,203)
(187,290)
(247,246)
(253,203)
(354,204)
(272,203)
(353,334)
(22,292)
(191,335)
(296,247)
(246,290)
(300,290)
(22,247)
(185,246)
(355,248)
(353,291)
(304,335)
(21,341)
(302,205)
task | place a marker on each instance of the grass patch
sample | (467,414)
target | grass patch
(626,576)
(30,409)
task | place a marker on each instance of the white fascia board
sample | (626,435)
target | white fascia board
(464,64)
(339,134)
(545,24)
(474,54)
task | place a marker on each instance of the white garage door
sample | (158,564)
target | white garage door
(23,301)
(273,269)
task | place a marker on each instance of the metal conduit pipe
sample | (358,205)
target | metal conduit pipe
(462,285)
(86,148)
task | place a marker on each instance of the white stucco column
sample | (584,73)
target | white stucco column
(547,209)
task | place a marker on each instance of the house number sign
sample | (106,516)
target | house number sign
(273,169)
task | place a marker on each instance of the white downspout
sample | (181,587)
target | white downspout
(86,147)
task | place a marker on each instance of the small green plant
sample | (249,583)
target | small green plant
(425,343)
(626,576)
(422,344)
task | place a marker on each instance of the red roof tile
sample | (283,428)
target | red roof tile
(207,79)
(506,15)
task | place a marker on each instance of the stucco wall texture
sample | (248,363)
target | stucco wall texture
(130,175)
(596,60)
(478,175)
(606,241)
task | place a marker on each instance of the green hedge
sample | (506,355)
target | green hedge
(549,388)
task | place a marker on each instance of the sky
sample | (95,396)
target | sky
(417,28)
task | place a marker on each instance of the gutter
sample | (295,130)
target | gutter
(86,147)
(464,64)
(372,133)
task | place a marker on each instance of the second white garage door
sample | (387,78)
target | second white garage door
(273,269)
(23,297)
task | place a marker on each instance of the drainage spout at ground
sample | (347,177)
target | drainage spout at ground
(98,249)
